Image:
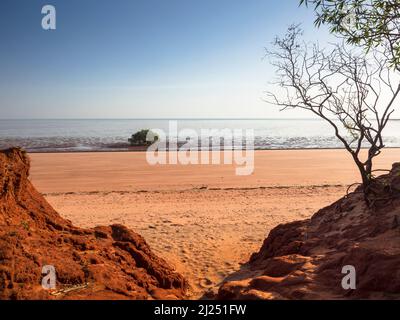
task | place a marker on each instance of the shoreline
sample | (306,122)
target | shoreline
(129,171)
(209,150)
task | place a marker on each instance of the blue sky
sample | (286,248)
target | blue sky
(142,58)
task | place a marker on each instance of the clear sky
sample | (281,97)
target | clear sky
(142,58)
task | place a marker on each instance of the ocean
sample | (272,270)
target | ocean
(113,134)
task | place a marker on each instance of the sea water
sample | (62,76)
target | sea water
(112,135)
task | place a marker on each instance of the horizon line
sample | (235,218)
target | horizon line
(165,119)
(2,119)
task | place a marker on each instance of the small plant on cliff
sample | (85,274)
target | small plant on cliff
(143,137)
(25,225)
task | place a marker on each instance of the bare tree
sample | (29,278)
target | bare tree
(353,91)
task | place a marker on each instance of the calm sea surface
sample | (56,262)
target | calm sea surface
(111,135)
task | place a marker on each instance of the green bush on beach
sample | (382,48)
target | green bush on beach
(143,137)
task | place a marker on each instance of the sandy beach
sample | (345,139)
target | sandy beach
(203,219)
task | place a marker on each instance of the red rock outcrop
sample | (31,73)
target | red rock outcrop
(101,263)
(304,259)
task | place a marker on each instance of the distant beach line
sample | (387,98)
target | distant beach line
(112,135)
(143,150)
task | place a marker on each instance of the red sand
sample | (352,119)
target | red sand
(196,216)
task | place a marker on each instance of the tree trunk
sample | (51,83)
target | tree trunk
(365,173)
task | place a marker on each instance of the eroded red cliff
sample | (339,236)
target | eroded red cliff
(304,259)
(102,263)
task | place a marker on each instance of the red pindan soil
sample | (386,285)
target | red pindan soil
(298,260)
(304,259)
(109,262)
